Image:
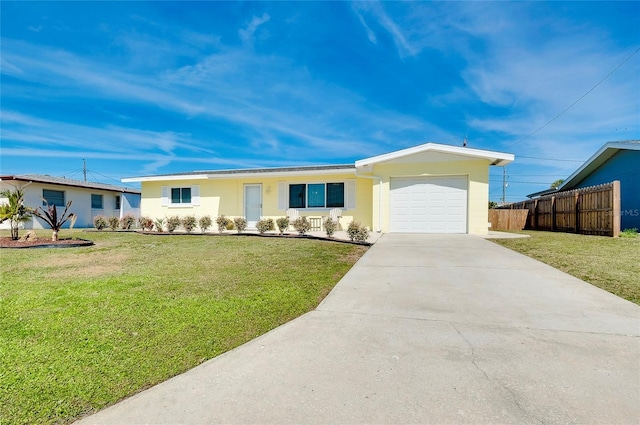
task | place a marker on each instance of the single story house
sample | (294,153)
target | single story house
(613,161)
(88,199)
(431,188)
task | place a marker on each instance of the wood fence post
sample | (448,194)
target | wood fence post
(553,213)
(576,208)
(535,214)
(615,193)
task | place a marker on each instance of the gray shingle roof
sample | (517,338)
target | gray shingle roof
(69,182)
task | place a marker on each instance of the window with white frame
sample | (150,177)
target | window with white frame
(188,196)
(53,197)
(316,195)
(96,201)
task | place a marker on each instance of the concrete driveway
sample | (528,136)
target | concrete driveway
(428,329)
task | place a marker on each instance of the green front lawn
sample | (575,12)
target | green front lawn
(608,263)
(81,328)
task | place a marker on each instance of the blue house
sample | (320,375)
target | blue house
(613,161)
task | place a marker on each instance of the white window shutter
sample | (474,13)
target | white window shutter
(164,197)
(350,195)
(282,196)
(195,195)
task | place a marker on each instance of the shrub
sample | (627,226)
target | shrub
(145,223)
(241,223)
(283,224)
(222,222)
(230,225)
(330,226)
(357,232)
(629,233)
(159,224)
(189,223)
(205,223)
(114,223)
(100,222)
(302,225)
(127,221)
(265,225)
(173,223)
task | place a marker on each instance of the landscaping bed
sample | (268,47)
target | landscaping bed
(7,242)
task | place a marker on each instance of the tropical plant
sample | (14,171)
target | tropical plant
(145,223)
(100,222)
(127,221)
(302,225)
(159,224)
(264,225)
(204,223)
(189,223)
(240,223)
(556,184)
(173,223)
(330,226)
(222,222)
(357,232)
(114,223)
(283,224)
(53,220)
(14,210)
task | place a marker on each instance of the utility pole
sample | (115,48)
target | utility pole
(84,169)
(504,185)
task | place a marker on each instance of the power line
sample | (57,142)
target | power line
(551,159)
(580,98)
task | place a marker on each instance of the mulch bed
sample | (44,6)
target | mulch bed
(7,242)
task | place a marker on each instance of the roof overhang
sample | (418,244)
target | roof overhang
(249,173)
(70,183)
(600,157)
(435,152)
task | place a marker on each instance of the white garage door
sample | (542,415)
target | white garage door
(429,204)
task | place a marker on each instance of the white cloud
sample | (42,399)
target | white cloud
(246,34)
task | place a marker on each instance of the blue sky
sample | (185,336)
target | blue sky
(147,88)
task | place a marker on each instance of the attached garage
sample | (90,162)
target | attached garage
(428,204)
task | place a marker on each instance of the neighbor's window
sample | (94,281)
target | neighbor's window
(53,197)
(181,195)
(117,202)
(96,202)
(316,195)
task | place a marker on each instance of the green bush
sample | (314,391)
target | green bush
(330,226)
(205,223)
(173,223)
(145,223)
(127,221)
(283,224)
(302,225)
(264,225)
(222,222)
(629,233)
(100,222)
(189,223)
(114,223)
(240,223)
(159,224)
(357,232)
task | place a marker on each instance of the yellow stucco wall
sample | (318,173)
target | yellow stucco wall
(226,196)
(477,172)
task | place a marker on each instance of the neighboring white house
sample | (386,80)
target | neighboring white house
(89,199)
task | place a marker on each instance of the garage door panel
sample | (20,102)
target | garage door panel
(429,204)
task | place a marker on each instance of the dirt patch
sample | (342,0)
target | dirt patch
(7,242)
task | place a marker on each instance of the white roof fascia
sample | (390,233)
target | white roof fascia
(164,178)
(597,159)
(496,158)
(279,173)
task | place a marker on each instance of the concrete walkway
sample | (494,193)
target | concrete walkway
(424,329)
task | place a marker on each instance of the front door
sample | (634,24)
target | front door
(252,204)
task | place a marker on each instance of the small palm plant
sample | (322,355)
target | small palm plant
(53,220)
(14,210)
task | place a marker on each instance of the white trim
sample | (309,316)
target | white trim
(164,178)
(237,175)
(597,159)
(496,158)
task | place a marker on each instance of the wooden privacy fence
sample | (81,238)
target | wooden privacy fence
(591,210)
(508,219)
